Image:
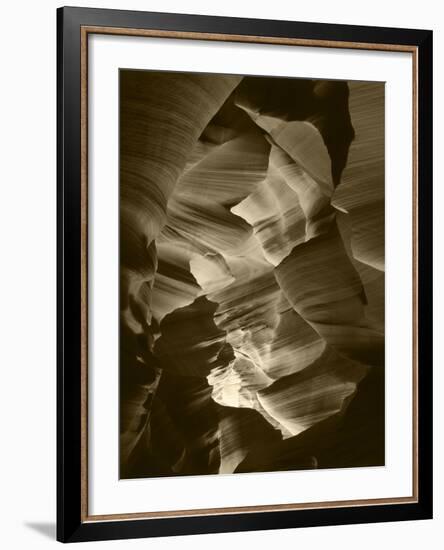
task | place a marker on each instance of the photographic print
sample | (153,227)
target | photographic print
(233,352)
(251,274)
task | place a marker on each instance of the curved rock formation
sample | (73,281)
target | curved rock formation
(251,274)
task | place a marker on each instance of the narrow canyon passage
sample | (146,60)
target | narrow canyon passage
(251,274)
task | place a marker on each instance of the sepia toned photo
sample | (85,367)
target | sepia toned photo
(251,274)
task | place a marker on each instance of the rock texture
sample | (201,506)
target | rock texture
(251,274)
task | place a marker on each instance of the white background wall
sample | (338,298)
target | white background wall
(27,271)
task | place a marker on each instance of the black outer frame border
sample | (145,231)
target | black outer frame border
(69,525)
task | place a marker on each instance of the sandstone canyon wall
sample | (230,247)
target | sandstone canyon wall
(251,274)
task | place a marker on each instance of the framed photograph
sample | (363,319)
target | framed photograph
(244,274)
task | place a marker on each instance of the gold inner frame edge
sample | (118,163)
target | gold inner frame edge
(84,33)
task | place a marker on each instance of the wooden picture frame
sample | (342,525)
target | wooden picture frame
(74,27)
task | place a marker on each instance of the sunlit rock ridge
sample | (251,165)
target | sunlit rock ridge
(251,274)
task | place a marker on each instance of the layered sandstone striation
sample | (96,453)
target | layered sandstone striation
(251,274)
